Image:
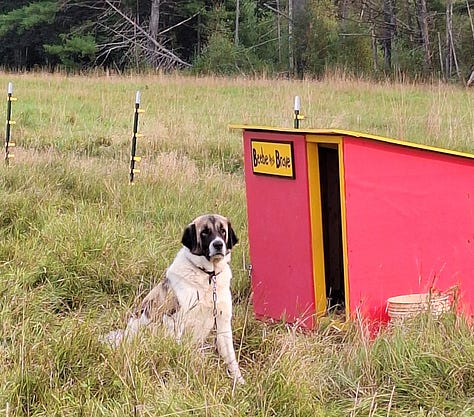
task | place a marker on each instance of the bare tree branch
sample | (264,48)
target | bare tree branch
(143,32)
(124,34)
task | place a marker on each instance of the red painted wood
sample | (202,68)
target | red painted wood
(280,237)
(410,223)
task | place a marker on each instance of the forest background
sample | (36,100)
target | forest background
(418,39)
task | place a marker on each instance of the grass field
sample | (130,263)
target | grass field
(78,245)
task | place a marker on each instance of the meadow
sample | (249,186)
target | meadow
(79,245)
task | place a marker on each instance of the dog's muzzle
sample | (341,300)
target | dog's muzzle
(217,248)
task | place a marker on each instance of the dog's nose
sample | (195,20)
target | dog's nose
(218,245)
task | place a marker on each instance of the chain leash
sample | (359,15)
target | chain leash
(214,302)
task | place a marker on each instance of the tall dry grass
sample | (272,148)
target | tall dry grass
(78,245)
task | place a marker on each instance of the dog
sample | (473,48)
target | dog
(194,297)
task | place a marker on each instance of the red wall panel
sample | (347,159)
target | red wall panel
(409,223)
(280,236)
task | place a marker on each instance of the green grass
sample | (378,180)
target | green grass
(79,245)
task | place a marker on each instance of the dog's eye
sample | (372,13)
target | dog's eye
(223,232)
(205,232)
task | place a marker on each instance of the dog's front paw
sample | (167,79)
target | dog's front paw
(233,371)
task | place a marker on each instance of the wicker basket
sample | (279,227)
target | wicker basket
(405,306)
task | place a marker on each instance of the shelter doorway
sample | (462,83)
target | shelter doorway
(331,216)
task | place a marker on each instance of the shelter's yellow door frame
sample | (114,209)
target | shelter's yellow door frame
(319,277)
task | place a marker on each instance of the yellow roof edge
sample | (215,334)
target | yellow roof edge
(343,132)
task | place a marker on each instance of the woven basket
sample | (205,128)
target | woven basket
(405,306)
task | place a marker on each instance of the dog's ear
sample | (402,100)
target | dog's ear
(231,237)
(189,238)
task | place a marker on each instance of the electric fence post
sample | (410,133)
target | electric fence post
(8,143)
(133,157)
(297,116)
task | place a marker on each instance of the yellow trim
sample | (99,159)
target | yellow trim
(316,229)
(336,140)
(315,196)
(342,188)
(342,132)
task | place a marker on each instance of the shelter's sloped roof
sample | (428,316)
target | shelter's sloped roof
(342,132)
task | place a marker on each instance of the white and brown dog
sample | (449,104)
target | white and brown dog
(194,297)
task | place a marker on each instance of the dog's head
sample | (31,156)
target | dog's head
(209,235)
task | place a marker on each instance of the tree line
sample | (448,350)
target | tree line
(293,38)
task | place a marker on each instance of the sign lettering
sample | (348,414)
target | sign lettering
(272,158)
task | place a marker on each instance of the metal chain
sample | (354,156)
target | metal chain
(249,271)
(214,300)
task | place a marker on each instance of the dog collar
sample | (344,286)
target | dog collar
(211,274)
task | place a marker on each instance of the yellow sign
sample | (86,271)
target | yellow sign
(272,158)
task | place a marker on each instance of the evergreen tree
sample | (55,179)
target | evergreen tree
(24,30)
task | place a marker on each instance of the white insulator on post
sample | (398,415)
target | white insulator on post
(297,103)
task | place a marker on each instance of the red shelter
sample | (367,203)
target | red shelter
(346,220)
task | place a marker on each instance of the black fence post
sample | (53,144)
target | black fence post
(133,157)
(8,143)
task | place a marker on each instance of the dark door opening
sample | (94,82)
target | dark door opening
(332,226)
